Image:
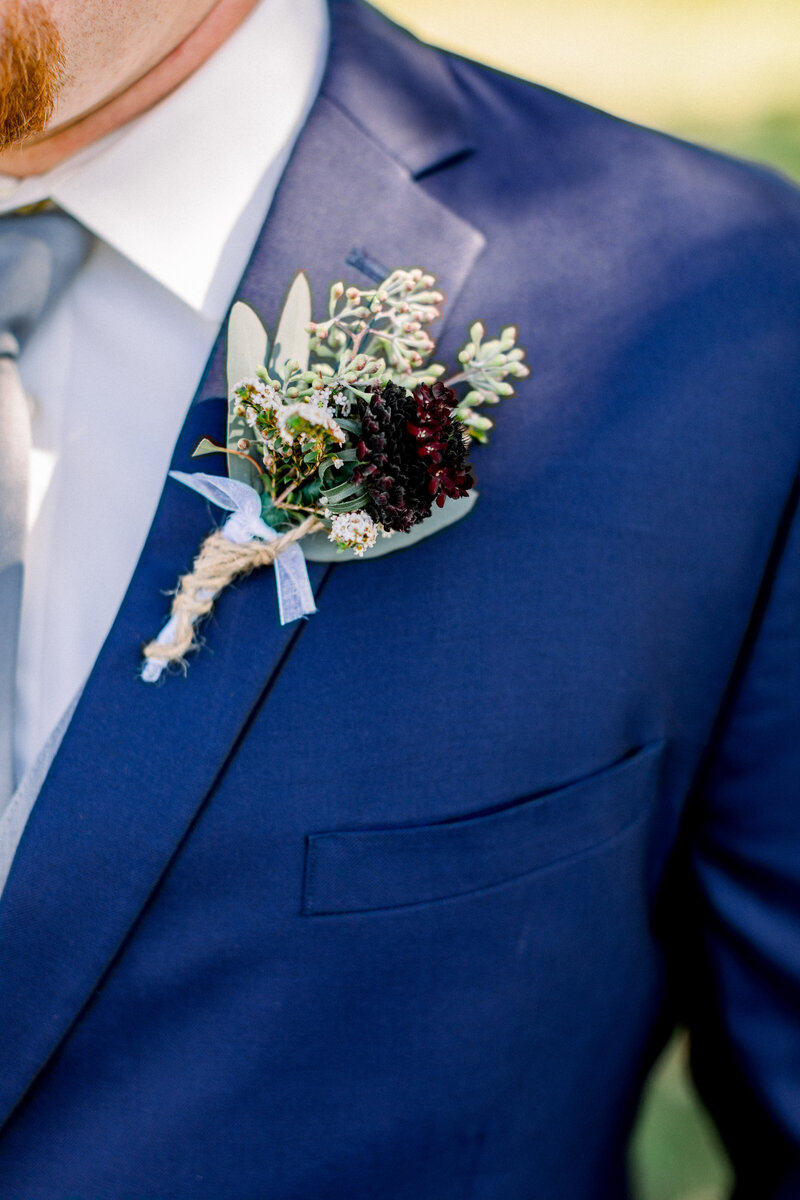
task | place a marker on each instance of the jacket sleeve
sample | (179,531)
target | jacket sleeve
(737,947)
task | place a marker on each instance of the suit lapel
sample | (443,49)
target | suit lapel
(138,762)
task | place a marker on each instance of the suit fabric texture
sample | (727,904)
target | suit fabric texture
(401,902)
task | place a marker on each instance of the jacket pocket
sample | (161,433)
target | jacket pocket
(360,870)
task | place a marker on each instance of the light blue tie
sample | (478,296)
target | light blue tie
(39,254)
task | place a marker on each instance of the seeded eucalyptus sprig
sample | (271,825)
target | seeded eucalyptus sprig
(486,366)
(378,335)
(387,322)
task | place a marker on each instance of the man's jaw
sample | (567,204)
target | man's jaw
(45,146)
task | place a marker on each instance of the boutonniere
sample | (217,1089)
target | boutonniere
(342,435)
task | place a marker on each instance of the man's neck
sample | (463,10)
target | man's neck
(49,149)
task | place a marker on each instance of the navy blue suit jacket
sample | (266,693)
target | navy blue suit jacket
(400,903)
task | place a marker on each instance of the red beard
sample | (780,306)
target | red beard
(31,69)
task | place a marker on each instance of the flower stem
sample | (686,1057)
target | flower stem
(279,503)
(241,454)
(296,508)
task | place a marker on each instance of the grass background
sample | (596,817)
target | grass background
(726,72)
(723,72)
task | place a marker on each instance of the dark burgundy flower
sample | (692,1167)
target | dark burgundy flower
(394,476)
(441,442)
(412,452)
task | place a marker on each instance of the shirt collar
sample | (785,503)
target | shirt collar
(182,190)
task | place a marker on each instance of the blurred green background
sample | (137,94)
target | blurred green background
(726,72)
(723,72)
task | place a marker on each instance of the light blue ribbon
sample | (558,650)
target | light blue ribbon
(295,598)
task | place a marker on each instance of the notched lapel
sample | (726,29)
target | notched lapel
(138,761)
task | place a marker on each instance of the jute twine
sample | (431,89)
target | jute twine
(218,563)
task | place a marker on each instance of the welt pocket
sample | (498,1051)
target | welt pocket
(358,870)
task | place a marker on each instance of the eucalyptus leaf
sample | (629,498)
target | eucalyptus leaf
(338,494)
(292,340)
(349,426)
(206,446)
(310,491)
(353,504)
(317,548)
(348,459)
(274,517)
(248,346)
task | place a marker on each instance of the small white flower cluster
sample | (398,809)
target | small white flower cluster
(354,531)
(263,393)
(312,414)
(322,398)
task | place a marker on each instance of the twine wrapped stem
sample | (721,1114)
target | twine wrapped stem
(217,564)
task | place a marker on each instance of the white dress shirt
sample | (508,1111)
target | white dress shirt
(176,200)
